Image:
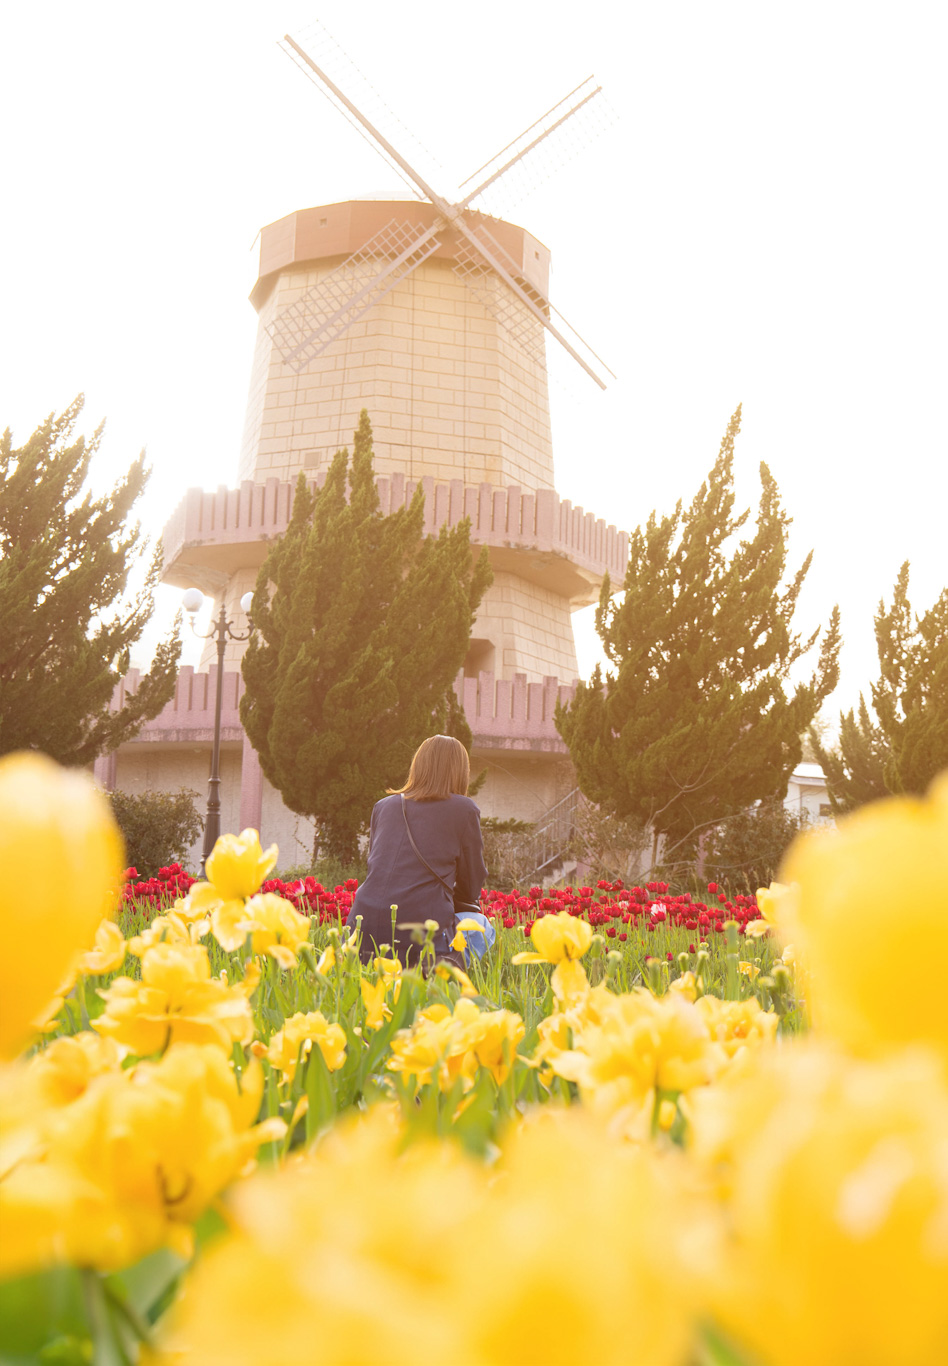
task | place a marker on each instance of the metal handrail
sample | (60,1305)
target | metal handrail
(553,833)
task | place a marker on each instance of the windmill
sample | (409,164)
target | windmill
(452,368)
(305,329)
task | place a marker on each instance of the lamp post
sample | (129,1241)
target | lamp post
(222,630)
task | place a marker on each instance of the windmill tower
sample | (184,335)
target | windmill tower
(434,316)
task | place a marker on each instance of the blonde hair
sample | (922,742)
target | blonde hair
(439,767)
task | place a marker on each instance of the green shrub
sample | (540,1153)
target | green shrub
(158,827)
(329,871)
(744,851)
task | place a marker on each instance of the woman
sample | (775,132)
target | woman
(434,810)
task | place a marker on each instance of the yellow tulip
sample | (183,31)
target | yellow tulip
(640,1044)
(400,1287)
(557,939)
(301,1031)
(686,985)
(109,952)
(327,960)
(300,1263)
(561,939)
(737,1025)
(373,998)
(60,870)
(465,926)
(667,1114)
(449,971)
(276,928)
(238,865)
(444,1046)
(129,1166)
(66,1067)
(882,872)
(234,870)
(491,1041)
(176,1000)
(776,904)
(833,1172)
(168,929)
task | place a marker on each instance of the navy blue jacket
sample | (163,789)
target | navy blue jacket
(448,833)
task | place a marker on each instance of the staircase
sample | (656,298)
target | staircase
(550,841)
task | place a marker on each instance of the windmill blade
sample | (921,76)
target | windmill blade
(552,140)
(382,144)
(304,329)
(323,56)
(484,244)
(471,267)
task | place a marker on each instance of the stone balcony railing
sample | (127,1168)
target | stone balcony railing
(539,536)
(504,714)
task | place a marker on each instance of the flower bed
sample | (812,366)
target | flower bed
(647,1101)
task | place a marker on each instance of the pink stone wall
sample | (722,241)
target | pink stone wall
(502,714)
(500,517)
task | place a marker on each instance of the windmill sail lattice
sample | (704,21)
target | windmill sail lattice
(305,329)
(501,303)
(324,313)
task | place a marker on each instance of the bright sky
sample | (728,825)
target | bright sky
(764,223)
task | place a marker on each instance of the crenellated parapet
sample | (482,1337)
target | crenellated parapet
(539,536)
(504,714)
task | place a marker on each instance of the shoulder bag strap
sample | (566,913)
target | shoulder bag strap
(447,887)
(411,840)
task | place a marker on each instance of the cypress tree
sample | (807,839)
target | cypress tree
(361,625)
(65,560)
(907,744)
(695,718)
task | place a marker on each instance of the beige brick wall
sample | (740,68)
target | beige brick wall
(156,768)
(164,769)
(522,786)
(449,390)
(530,628)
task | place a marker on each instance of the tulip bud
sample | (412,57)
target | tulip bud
(781,977)
(684,962)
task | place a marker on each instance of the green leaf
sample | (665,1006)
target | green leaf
(38,1309)
(145,1284)
(110,1345)
(716,1349)
(320,1092)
